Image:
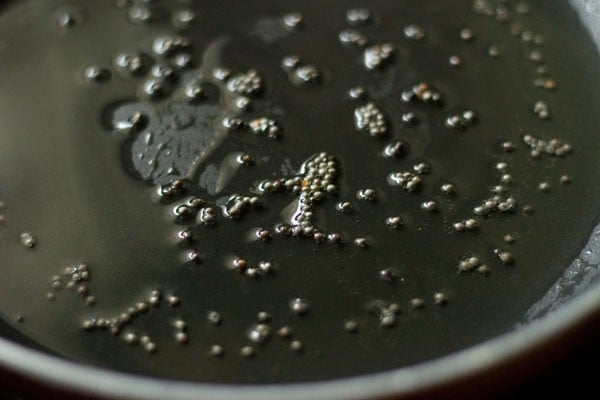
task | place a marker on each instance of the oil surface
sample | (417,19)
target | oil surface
(285,192)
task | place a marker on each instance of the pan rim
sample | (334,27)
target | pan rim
(468,363)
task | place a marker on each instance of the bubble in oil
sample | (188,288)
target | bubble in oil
(299,305)
(378,55)
(371,119)
(293,21)
(358,16)
(28,240)
(68,18)
(414,32)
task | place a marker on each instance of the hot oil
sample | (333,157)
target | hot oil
(220,195)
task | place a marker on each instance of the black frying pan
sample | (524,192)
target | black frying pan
(91,202)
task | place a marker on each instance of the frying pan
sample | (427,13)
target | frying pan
(552,325)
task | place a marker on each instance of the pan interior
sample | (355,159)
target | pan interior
(99,159)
